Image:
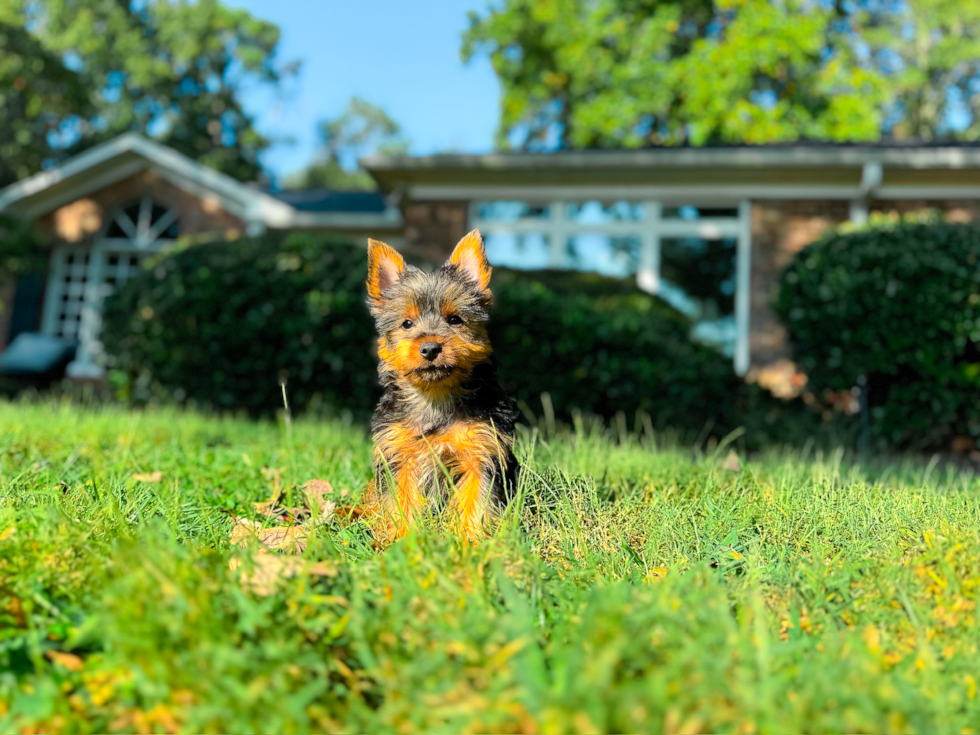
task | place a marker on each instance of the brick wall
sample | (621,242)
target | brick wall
(82,219)
(432,229)
(780,229)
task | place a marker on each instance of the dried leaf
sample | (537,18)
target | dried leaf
(317,492)
(69,660)
(270,568)
(244,530)
(731,462)
(148,476)
(267,508)
(285,538)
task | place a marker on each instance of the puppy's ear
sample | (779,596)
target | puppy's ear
(385,267)
(470,257)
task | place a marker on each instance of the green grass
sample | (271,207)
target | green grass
(635,588)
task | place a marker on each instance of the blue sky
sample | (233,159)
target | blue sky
(403,56)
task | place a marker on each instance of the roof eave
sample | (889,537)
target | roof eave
(742,157)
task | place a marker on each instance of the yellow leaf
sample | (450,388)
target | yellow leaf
(8,532)
(872,638)
(68,660)
(148,476)
(939,580)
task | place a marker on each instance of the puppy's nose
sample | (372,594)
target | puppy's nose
(430,350)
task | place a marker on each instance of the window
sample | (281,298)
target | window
(696,257)
(82,278)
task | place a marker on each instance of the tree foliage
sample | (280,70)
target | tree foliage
(362,128)
(37,94)
(76,72)
(614,73)
(930,52)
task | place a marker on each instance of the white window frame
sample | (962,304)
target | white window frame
(144,236)
(651,231)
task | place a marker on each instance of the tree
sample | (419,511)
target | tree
(771,72)
(39,95)
(627,73)
(361,129)
(930,52)
(87,70)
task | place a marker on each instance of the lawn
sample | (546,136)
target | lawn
(638,586)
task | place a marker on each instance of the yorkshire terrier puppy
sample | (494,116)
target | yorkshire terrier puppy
(444,428)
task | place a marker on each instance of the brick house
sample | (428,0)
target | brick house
(708,229)
(107,209)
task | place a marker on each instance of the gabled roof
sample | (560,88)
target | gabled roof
(130,153)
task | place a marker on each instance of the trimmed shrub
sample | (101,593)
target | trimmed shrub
(221,323)
(899,306)
(21,250)
(603,346)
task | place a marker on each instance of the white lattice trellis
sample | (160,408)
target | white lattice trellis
(82,278)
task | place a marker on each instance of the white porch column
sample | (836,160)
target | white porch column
(743,287)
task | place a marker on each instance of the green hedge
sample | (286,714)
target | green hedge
(21,250)
(219,324)
(898,304)
(602,346)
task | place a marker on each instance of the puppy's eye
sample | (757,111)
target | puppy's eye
(408,324)
(454,320)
